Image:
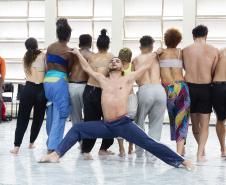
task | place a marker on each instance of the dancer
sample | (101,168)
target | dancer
(219,99)
(116,90)
(78,79)
(125,56)
(200,60)
(92,95)
(151,96)
(59,63)
(178,99)
(32,96)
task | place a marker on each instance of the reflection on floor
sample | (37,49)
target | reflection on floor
(24,169)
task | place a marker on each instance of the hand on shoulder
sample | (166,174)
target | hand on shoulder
(159,51)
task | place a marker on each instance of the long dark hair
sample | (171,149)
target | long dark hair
(31,54)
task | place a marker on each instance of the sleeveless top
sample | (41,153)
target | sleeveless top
(174,62)
(37,70)
(128,70)
(56,59)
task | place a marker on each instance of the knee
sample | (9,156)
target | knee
(195,129)
(75,131)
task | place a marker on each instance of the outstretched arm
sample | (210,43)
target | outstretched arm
(147,62)
(86,67)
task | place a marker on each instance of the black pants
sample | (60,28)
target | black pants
(32,96)
(93,112)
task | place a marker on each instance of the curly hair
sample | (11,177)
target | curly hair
(125,55)
(172,38)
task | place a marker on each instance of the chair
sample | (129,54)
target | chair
(19,91)
(8,90)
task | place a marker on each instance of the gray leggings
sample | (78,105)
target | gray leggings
(151,103)
(76,91)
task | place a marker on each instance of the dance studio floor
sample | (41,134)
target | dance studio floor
(24,169)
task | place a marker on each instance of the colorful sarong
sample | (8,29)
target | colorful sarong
(178,105)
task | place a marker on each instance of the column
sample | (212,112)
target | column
(117,26)
(189,16)
(50,21)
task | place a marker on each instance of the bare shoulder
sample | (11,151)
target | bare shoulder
(212,48)
(215,51)
(139,58)
(92,57)
(222,51)
(134,61)
(51,46)
(42,54)
(110,54)
(185,49)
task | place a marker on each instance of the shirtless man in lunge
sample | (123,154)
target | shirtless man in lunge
(115,92)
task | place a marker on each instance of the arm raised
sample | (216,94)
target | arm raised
(86,67)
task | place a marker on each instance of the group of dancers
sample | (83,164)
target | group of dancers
(76,82)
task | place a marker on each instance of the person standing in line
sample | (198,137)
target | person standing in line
(125,56)
(219,99)
(151,95)
(32,96)
(59,63)
(200,60)
(78,79)
(178,99)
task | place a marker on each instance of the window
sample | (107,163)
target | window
(79,8)
(150,17)
(90,17)
(212,14)
(19,20)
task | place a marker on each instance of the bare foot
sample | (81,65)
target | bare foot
(87,156)
(188,165)
(31,146)
(50,158)
(130,150)
(15,150)
(50,151)
(106,152)
(201,159)
(122,153)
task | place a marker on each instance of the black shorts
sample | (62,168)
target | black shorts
(219,99)
(201,98)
